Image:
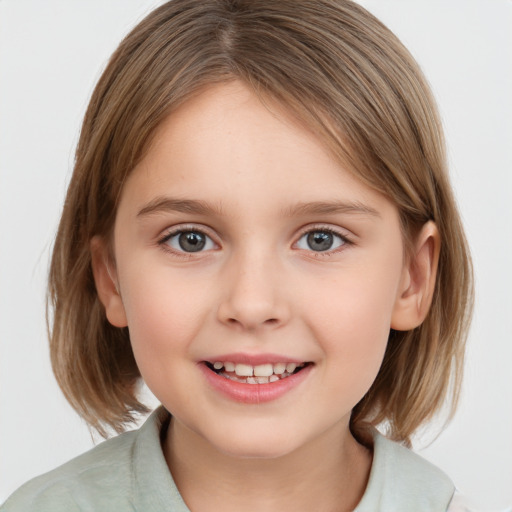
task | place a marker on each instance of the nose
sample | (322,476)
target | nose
(253,293)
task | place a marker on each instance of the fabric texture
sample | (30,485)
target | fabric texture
(129,474)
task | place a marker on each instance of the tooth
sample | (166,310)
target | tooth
(218,365)
(261,380)
(273,378)
(233,378)
(229,367)
(279,368)
(243,370)
(263,370)
(290,367)
(251,380)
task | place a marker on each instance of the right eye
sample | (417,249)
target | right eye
(188,241)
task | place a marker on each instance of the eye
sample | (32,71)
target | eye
(321,240)
(189,241)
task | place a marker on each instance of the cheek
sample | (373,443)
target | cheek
(352,324)
(356,303)
(163,319)
(355,332)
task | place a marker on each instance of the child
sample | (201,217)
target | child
(260,226)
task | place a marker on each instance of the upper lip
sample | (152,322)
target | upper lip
(253,359)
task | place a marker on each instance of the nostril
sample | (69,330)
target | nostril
(269,321)
(250,307)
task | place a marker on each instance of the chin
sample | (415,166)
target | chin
(254,443)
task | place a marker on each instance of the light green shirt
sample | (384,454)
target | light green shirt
(129,473)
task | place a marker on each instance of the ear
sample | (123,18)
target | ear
(418,280)
(107,286)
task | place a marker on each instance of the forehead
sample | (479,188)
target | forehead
(225,146)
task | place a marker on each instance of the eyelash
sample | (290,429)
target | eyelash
(163,241)
(344,239)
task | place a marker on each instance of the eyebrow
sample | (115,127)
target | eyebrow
(330,208)
(197,207)
(169,204)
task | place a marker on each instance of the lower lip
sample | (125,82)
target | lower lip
(254,393)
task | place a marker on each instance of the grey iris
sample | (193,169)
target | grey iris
(191,241)
(320,240)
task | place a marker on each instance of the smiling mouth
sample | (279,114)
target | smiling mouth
(259,374)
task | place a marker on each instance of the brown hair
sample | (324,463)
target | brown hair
(337,69)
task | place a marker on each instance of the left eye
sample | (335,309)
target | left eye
(320,240)
(189,241)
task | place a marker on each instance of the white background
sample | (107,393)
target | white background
(51,54)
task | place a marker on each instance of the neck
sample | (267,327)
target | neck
(327,474)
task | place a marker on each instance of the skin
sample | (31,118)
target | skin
(259,288)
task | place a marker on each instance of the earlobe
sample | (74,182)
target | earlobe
(106,282)
(418,280)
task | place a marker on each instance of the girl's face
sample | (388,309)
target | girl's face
(243,248)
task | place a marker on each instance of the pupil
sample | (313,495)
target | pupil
(320,240)
(191,242)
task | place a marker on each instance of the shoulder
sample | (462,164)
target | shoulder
(91,476)
(401,480)
(459,503)
(124,474)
